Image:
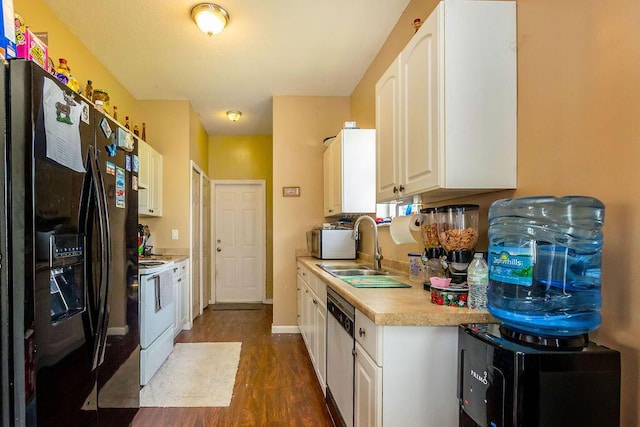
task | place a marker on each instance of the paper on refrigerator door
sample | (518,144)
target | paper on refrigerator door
(62,126)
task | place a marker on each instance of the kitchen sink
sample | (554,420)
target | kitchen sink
(352,270)
(358,272)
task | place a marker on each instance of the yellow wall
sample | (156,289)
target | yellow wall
(247,157)
(168,129)
(198,142)
(299,126)
(84,65)
(578,109)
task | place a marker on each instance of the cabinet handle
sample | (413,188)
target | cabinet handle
(395,189)
(354,353)
(175,270)
(315,302)
(401,188)
(362,332)
(179,280)
(330,210)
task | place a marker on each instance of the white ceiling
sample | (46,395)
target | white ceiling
(271,47)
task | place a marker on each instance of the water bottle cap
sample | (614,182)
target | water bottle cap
(478,255)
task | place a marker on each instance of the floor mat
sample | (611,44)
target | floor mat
(194,375)
(237,306)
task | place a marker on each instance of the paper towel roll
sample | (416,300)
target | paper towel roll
(402,226)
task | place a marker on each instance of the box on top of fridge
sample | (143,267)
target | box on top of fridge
(7,30)
(29,46)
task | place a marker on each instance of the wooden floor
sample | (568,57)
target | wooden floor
(275,384)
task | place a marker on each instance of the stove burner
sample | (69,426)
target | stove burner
(577,342)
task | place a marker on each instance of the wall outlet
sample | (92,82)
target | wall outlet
(174,234)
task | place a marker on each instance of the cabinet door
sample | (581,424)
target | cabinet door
(150,181)
(143,164)
(332,167)
(421,67)
(186,286)
(336,162)
(144,173)
(299,300)
(309,314)
(321,344)
(387,95)
(327,168)
(156,189)
(367,390)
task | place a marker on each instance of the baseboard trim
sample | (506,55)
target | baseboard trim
(285,329)
(118,330)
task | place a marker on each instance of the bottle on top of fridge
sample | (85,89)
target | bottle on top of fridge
(477,280)
(545,256)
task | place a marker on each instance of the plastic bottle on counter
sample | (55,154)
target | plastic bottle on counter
(415,267)
(477,279)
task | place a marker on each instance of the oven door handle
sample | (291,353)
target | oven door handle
(156,284)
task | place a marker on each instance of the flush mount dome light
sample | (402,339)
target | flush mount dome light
(210,18)
(234,115)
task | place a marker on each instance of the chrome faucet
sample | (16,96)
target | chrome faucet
(377,250)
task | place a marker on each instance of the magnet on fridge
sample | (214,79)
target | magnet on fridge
(124,139)
(111,149)
(106,129)
(127,162)
(85,112)
(111,168)
(120,187)
(134,183)
(136,163)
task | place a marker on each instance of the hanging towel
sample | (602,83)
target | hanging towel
(166,288)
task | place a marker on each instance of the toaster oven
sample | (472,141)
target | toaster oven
(331,243)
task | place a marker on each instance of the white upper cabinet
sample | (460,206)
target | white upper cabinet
(349,173)
(150,180)
(446,107)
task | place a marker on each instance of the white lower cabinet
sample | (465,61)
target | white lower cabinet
(405,375)
(181,293)
(368,390)
(312,320)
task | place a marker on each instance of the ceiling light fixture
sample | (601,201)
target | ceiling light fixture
(234,115)
(210,18)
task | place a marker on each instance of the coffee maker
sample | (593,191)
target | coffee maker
(458,235)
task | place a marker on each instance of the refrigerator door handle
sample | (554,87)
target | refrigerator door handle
(86,213)
(105,236)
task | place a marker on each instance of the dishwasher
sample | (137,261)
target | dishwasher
(340,359)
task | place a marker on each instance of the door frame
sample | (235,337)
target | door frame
(261,183)
(199,170)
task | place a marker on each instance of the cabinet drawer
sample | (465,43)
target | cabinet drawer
(303,272)
(369,336)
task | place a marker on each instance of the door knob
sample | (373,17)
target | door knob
(219,249)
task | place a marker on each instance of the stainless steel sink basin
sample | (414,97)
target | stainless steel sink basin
(358,272)
(352,270)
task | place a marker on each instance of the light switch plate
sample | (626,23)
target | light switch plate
(174,234)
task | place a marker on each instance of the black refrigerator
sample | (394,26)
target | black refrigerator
(69,264)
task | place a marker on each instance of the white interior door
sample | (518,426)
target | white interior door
(239,241)
(196,233)
(206,241)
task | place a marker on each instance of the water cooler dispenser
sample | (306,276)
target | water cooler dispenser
(504,383)
(537,368)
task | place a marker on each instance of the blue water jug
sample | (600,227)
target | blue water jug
(545,256)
